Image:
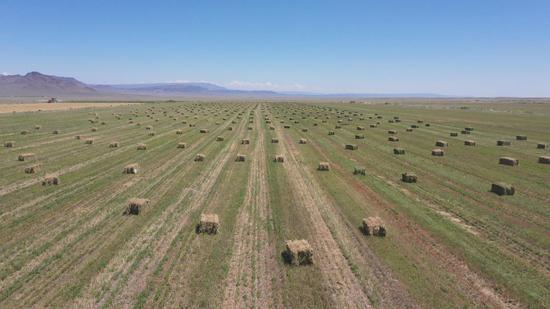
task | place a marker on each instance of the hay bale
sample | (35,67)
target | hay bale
(351,147)
(453,134)
(502,188)
(374,226)
(414,126)
(279,159)
(131,169)
(409,177)
(230,129)
(135,206)
(441,143)
(182,145)
(55,132)
(219,139)
(245,141)
(209,224)
(359,136)
(37,127)
(272,128)
(304,130)
(469,129)
(392,132)
(359,128)
(359,170)
(50,180)
(331,132)
(323,166)
(503,143)
(469,142)
(148,128)
(521,137)
(438,152)
(508,161)
(287,127)
(302,141)
(89,141)
(541,146)
(141,146)
(199,157)
(9,144)
(114,145)
(298,252)
(26,156)
(32,169)
(544,159)
(203,130)
(409,129)
(399,151)
(274,140)
(94,129)
(240,158)
(393,139)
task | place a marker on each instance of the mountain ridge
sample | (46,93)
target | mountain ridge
(42,85)
(38,84)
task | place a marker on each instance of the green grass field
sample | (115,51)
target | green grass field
(450,241)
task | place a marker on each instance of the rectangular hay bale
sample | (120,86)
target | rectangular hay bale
(209,224)
(298,252)
(374,226)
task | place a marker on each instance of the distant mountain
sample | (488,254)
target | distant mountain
(37,84)
(177,89)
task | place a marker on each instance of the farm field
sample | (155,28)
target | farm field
(449,241)
(38,107)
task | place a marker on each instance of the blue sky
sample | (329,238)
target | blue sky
(466,47)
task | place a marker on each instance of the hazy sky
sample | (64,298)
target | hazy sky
(462,47)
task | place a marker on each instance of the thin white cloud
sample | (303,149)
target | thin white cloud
(245,85)
(5,73)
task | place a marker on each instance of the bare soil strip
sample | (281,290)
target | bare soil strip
(253,267)
(178,292)
(343,286)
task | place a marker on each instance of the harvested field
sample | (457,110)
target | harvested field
(43,107)
(459,231)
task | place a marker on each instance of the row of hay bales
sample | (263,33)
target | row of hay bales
(51,179)
(466,130)
(498,188)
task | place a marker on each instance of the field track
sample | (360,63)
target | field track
(450,242)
